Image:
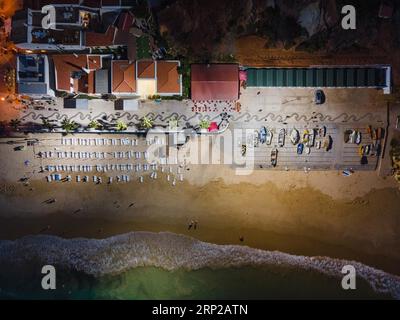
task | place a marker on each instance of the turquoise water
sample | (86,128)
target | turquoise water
(146,265)
(156,283)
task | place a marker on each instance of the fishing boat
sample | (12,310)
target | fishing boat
(322,132)
(262,135)
(347,173)
(311,139)
(256,139)
(379,133)
(361,151)
(274,157)
(367,149)
(352,136)
(328,143)
(347,136)
(243,150)
(369,131)
(294,136)
(306,136)
(281,137)
(269,137)
(358,138)
(300,148)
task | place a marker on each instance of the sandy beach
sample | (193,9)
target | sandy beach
(320,213)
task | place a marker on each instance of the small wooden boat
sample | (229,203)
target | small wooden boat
(347,136)
(306,136)
(352,136)
(274,157)
(328,143)
(369,131)
(262,136)
(311,139)
(269,136)
(281,137)
(379,133)
(347,173)
(256,139)
(322,132)
(300,148)
(294,136)
(244,149)
(358,138)
(374,134)
(367,149)
(361,151)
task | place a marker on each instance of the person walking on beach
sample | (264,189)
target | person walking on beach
(190,225)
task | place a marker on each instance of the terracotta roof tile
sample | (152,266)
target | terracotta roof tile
(168,79)
(146,69)
(123,77)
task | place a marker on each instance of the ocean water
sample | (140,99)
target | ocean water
(143,265)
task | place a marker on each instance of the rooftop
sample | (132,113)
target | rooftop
(146,69)
(215,81)
(76,73)
(31,74)
(123,77)
(168,79)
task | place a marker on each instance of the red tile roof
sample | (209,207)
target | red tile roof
(168,79)
(125,21)
(146,69)
(95,39)
(66,64)
(123,76)
(215,81)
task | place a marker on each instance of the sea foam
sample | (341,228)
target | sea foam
(170,251)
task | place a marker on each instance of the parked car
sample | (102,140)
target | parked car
(319,97)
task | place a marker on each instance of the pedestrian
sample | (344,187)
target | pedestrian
(190,225)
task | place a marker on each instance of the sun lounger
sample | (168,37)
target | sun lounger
(49,178)
(78,178)
(141,179)
(110,180)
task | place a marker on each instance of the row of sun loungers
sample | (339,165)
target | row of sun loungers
(104,168)
(94,155)
(98,180)
(109,142)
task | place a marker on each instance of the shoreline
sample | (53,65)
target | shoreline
(306,222)
(103,229)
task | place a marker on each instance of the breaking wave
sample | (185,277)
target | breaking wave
(172,251)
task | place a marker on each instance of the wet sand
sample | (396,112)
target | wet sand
(296,218)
